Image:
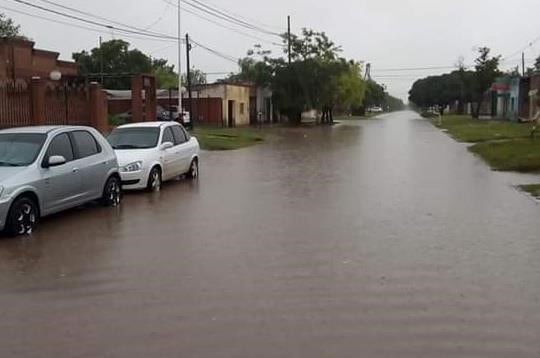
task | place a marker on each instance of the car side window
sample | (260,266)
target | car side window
(61,145)
(179,135)
(188,136)
(167,136)
(85,144)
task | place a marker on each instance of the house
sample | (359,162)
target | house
(235,101)
(20,60)
(260,101)
(507,97)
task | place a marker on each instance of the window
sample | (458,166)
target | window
(134,138)
(188,136)
(19,150)
(242,105)
(85,144)
(61,145)
(168,136)
(179,135)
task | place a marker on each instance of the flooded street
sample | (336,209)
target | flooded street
(381,238)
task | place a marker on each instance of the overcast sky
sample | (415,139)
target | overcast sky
(389,34)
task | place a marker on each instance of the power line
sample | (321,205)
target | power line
(224,26)
(86,13)
(245,18)
(95,23)
(159,19)
(414,68)
(77,26)
(216,52)
(222,14)
(518,52)
(200,6)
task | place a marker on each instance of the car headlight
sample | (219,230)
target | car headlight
(133,167)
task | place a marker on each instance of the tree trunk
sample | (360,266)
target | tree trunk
(476,113)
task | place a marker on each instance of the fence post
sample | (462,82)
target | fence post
(98,108)
(37,90)
(136,99)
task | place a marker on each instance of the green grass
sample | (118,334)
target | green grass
(521,155)
(534,190)
(466,129)
(504,145)
(211,138)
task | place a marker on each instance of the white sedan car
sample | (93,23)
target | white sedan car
(150,153)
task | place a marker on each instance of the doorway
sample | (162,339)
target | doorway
(230,114)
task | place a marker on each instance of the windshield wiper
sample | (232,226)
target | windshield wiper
(6,164)
(126,146)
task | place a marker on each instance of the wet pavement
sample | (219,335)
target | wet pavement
(380,238)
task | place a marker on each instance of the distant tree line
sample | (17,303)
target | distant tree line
(462,86)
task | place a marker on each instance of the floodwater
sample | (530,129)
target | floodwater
(380,238)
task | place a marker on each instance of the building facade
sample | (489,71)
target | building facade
(20,60)
(235,100)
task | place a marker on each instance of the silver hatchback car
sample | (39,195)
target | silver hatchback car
(44,170)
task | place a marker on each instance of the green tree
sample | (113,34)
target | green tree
(537,64)
(486,71)
(118,60)
(9,29)
(120,63)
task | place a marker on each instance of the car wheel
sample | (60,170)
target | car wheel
(22,217)
(112,194)
(154,180)
(193,172)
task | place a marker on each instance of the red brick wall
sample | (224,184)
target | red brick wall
(19,60)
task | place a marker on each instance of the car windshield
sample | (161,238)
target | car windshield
(20,149)
(134,138)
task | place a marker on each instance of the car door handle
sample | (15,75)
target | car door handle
(75,170)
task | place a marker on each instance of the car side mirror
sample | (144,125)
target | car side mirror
(166,145)
(55,161)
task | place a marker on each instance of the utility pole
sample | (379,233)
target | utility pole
(188,74)
(289,36)
(180,109)
(523,62)
(101,61)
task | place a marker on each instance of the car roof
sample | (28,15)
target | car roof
(156,124)
(39,129)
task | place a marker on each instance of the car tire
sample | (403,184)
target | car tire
(22,218)
(112,193)
(154,180)
(193,172)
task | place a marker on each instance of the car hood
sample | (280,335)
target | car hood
(128,156)
(11,173)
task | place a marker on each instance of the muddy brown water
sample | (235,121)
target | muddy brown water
(380,238)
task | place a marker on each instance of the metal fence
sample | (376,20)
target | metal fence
(65,104)
(15,104)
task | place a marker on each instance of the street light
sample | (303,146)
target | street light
(55,75)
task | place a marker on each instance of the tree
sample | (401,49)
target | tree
(120,63)
(537,64)
(486,71)
(9,29)
(118,60)
(317,77)
(198,77)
